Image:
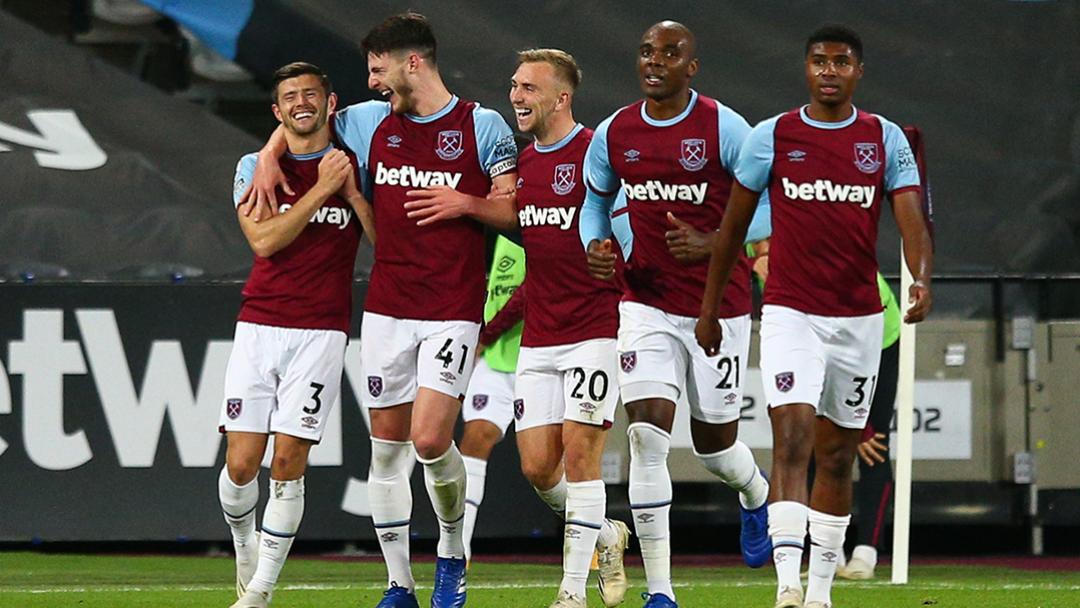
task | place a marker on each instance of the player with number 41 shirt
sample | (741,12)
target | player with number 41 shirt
(426,297)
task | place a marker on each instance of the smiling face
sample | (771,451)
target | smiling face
(536,92)
(833,71)
(387,74)
(303,105)
(666,61)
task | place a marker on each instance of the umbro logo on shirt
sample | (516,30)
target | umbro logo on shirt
(796,156)
(631,155)
(394,141)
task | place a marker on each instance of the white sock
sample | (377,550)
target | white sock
(390,496)
(238,504)
(650,502)
(826,545)
(281,520)
(735,466)
(445,479)
(866,553)
(608,535)
(555,497)
(585,504)
(476,470)
(787,528)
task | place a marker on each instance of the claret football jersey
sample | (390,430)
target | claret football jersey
(826,183)
(563,304)
(433,272)
(308,284)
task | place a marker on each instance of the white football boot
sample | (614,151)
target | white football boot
(790,597)
(611,580)
(565,599)
(253,599)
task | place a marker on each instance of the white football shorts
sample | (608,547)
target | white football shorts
(830,363)
(659,358)
(567,382)
(282,380)
(490,396)
(398,356)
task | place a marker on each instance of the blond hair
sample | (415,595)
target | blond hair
(564,64)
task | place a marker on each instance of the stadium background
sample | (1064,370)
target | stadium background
(122,261)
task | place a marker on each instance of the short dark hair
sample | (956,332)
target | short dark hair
(404,32)
(299,68)
(836,33)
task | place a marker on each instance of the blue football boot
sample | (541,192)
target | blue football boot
(398,597)
(449,589)
(658,600)
(754,535)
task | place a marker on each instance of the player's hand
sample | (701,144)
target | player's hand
(263,189)
(687,244)
(499,193)
(761,267)
(436,204)
(709,334)
(921,301)
(349,189)
(334,170)
(601,260)
(873,451)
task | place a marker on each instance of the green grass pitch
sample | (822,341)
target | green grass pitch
(31,580)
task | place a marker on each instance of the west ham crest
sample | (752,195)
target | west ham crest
(564,182)
(692,156)
(479,402)
(233,407)
(785,381)
(628,361)
(867,158)
(449,145)
(374,385)
(519,408)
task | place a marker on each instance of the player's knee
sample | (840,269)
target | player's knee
(835,462)
(479,439)
(430,446)
(579,464)
(242,471)
(794,452)
(649,444)
(287,465)
(541,472)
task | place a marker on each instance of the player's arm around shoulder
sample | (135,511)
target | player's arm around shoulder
(350,191)
(269,236)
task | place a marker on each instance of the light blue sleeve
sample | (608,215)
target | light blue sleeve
(595,223)
(761,224)
(901,170)
(600,177)
(245,170)
(733,132)
(495,143)
(356,124)
(620,226)
(756,156)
